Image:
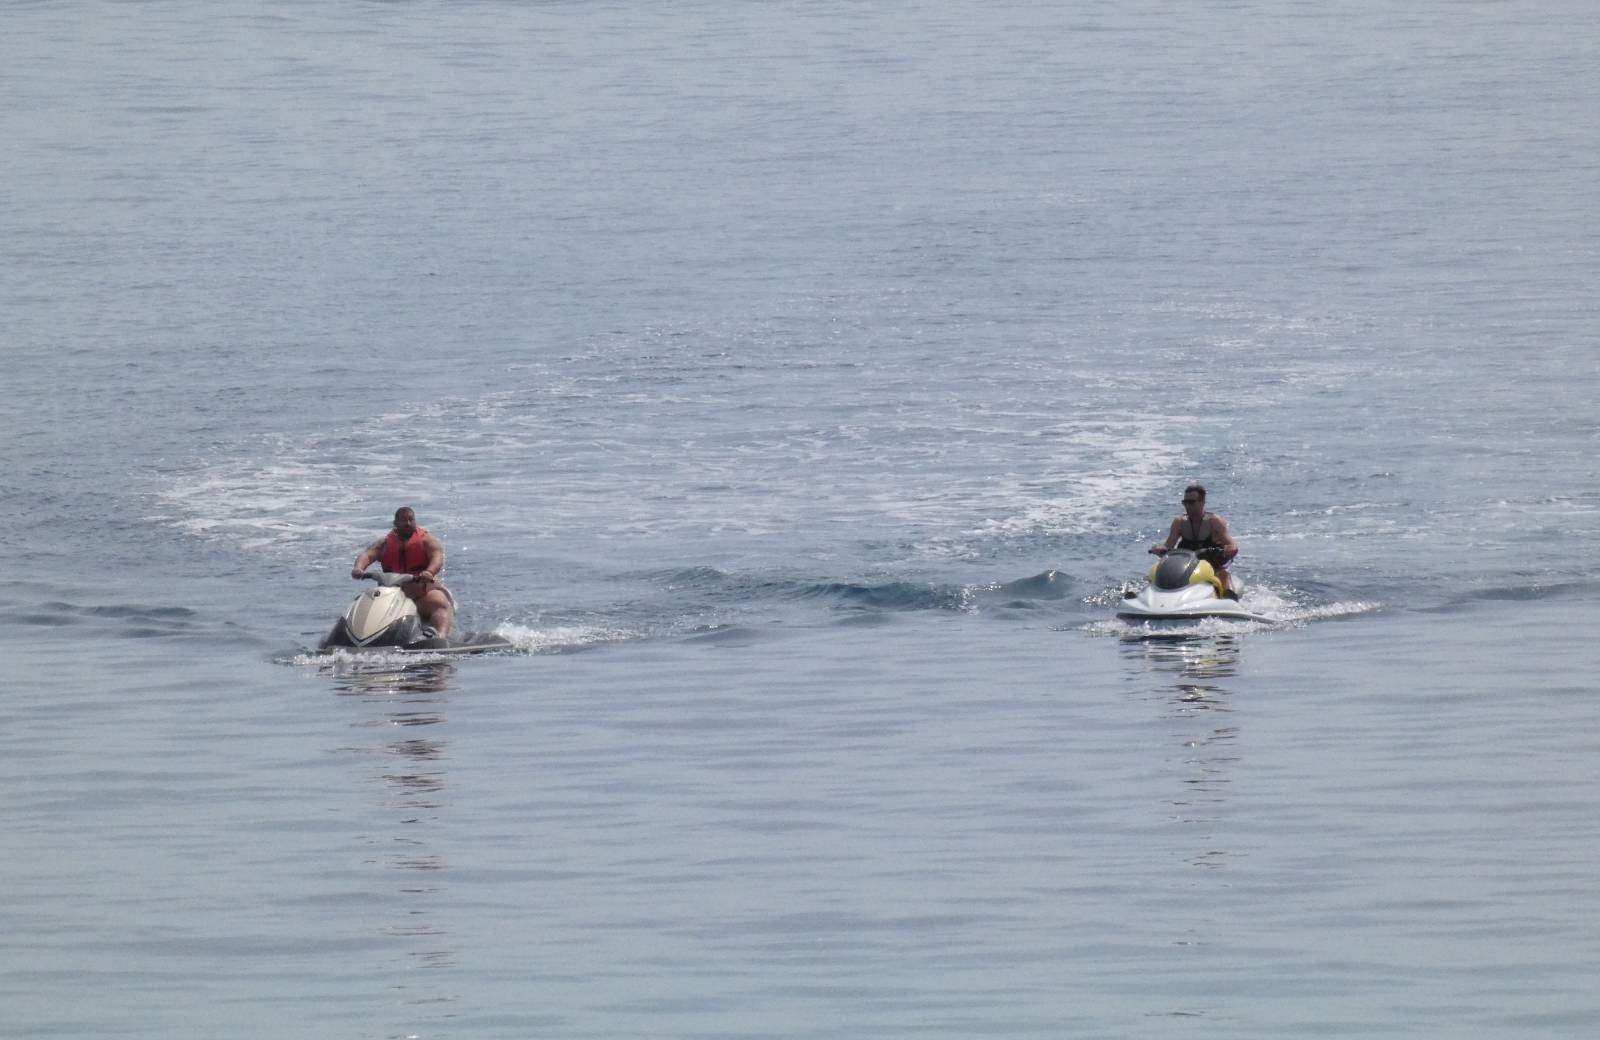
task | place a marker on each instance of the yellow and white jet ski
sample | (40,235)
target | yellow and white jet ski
(1184,587)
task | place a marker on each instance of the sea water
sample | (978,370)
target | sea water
(797,387)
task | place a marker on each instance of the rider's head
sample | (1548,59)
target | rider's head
(405,522)
(1194,497)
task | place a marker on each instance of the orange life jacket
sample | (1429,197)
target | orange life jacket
(409,556)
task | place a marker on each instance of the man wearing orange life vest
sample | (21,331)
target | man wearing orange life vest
(409,549)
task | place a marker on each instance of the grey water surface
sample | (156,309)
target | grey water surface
(797,387)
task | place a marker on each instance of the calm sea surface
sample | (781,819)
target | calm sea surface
(797,386)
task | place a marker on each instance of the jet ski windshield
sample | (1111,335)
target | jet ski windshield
(1175,570)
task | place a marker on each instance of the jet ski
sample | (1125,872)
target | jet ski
(384,618)
(1184,587)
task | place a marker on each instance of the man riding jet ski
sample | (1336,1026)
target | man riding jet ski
(1191,581)
(1199,531)
(409,549)
(409,610)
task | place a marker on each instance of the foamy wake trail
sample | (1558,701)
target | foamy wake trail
(1109,466)
(525,639)
(1288,608)
(1332,610)
(294,496)
(358,662)
(1282,608)
(558,638)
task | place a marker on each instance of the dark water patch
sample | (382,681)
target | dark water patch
(64,612)
(43,620)
(167,110)
(127,621)
(1530,593)
(243,947)
(143,613)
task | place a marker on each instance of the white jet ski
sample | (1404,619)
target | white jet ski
(1184,587)
(384,618)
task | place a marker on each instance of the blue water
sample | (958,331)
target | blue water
(797,387)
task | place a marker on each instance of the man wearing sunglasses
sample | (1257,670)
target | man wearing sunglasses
(1202,532)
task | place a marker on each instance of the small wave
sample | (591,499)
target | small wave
(686,577)
(48,615)
(889,595)
(40,620)
(1051,584)
(139,622)
(140,613)
(57,612)
(895,595)
(861,595)
(1530,592)
(723,635)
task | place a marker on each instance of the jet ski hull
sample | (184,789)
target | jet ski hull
(384,619)
(474,643)
(411,638)
(1193,602)
(1220,610)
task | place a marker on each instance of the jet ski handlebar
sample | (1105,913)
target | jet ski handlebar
(1211,554)
(388,579)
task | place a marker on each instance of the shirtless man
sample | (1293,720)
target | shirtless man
(409,549)
(1197,529)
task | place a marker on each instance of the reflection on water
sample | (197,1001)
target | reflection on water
(384,675)
(413,788)
(1200,666)
(1198,661)
(417,788)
